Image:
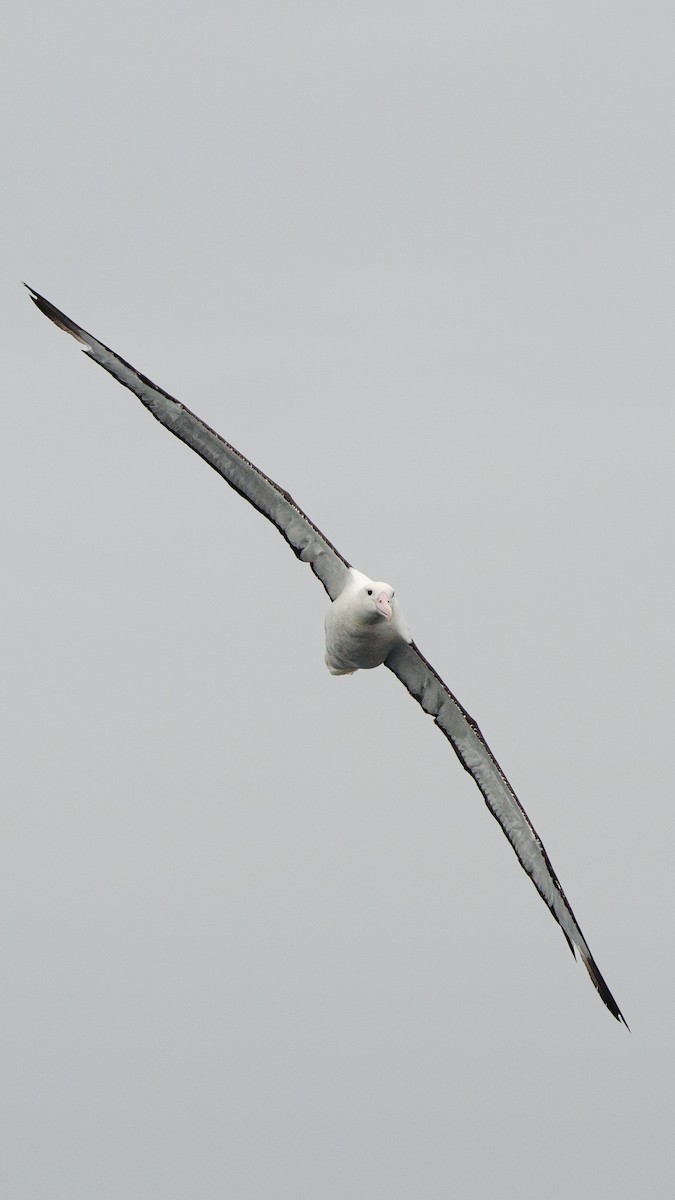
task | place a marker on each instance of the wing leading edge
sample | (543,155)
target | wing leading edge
(405,661)
(306,541)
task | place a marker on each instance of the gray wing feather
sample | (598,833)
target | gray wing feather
(306,541)
(426,686)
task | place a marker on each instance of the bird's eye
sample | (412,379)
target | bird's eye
(370,591)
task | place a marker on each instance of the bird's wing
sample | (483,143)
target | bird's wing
(427,687)
(306,541)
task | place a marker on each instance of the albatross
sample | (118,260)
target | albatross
(364,627)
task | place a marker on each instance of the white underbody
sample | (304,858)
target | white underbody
(358,636)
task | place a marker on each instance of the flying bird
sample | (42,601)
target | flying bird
(364,627)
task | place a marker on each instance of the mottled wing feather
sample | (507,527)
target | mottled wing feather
(306,541)
(425,685)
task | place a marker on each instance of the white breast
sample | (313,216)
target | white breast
(357,636)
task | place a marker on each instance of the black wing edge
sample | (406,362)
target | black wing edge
(59,318)
(80,334)
(589,962)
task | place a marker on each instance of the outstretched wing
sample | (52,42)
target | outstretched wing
(306,541)
(427,687)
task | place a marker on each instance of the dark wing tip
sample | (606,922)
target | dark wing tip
(55,315)
(603,991)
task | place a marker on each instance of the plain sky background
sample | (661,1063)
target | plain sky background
(260,936)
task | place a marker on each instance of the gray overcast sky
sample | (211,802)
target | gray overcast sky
(260,936)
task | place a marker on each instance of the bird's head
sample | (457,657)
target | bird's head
(372,601)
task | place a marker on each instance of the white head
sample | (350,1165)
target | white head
(371,600)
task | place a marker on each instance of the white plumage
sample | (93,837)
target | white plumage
(363,625)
